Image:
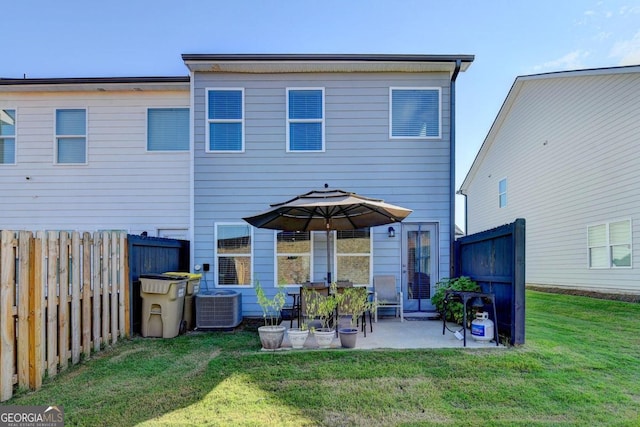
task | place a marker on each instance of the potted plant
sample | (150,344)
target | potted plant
(272,333)
(453,311)
(298,336)
(352,302)
(321,308)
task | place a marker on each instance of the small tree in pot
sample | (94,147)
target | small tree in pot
(352,302)
(271,334)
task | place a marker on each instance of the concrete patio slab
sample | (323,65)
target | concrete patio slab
(410,334)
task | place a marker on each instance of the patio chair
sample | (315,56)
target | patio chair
(387,296)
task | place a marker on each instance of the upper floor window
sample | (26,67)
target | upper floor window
(225,120)
(610,245)
(7,137)
(71,136)
(415,113)
(168,129)
(353,256)
(502,193)
(233,254)
(294,255)
(305,119)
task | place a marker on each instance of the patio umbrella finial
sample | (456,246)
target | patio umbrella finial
(326,185)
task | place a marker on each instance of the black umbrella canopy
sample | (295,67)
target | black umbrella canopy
(328,209)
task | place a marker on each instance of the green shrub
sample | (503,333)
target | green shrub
(454,312)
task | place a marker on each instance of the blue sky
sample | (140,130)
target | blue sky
(71,38)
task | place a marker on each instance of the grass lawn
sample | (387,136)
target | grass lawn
(580,366)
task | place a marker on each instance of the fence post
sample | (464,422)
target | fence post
(114,285)
(7,322)
(105,288)
(97,246)
(76,262)
(24,252)
(52,310)
(63,301)
(124,289)
(86,294)
(36,302)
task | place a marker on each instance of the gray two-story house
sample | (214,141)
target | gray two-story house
(269,127)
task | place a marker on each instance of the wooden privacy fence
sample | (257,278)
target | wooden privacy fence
(62,296)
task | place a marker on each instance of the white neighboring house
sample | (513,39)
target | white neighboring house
(95,153)
(564,153)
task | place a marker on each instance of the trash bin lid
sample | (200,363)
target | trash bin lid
(190,276)
(157,276)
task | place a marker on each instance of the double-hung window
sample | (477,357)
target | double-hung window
(233,254)
(415,113)
(293,257)
(305,119)
(168,129)
(7,137)
(353,256)
(610,245)
(71,136)
(502,193)
(225,120)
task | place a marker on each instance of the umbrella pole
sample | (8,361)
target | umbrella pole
(328,258)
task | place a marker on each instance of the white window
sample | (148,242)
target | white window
(610,245)
(502,193)
(305,119)
(168,129)
(233,254)
(225,120)
(71,136)
(7,137)
(415,113)
(354,256)
(294,256)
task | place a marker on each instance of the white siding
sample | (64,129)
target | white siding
(569,149)
(359,157)
(122,186)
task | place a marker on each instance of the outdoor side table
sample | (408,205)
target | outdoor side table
(464,297)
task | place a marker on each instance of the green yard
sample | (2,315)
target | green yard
(580,366)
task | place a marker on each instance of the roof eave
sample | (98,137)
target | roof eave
(100,84)
(294,63)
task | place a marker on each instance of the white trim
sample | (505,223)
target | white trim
(146,129)
(423,88)
(14,136)
(85,136)
(215,254)
(192,218)
(289,121)
(208,121)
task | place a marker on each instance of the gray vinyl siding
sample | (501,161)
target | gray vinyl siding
(122,186)
(359,157)
(569,149)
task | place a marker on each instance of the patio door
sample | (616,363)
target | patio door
(419,265)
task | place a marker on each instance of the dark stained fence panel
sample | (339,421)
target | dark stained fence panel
(149,255)
(495,259)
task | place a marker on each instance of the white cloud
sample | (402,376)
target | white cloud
(570,61)
(627,51)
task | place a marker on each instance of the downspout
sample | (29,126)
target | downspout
(452,168)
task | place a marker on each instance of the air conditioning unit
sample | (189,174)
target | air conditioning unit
(219,309)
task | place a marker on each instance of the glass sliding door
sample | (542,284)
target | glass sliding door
(419,265)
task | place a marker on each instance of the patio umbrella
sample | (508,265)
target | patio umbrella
(328,209)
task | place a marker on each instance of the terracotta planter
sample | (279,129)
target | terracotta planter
(271,336)
(324,337)
(348,337)
(297,337)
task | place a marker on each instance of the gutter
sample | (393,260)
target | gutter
(452,167)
